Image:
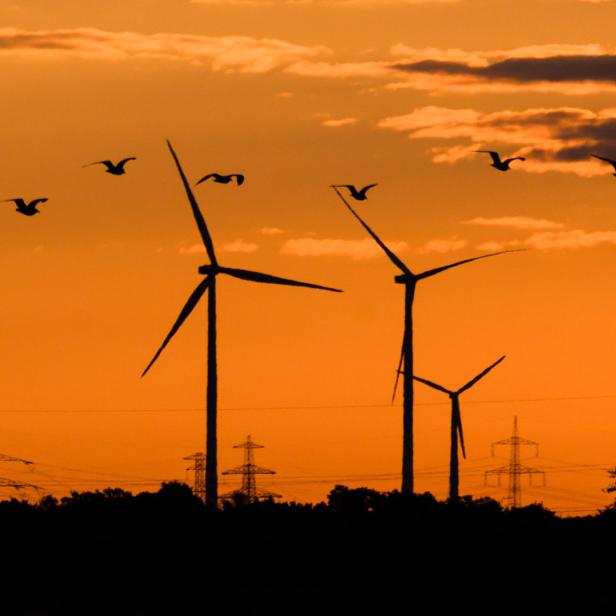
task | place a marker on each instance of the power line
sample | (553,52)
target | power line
(312,407)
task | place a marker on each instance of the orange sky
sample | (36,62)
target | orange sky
(296,97)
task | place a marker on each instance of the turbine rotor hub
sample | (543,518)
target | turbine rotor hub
(403,279)
(209,270)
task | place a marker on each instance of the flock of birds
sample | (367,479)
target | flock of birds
(28,208)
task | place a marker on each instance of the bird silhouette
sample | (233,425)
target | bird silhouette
(27,209)
(114,169)
(607,160)
(497,163)
(358,195)
(223,179)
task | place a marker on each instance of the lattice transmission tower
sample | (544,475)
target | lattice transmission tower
(198,467)
(249,470)
(514,470)
(17,485)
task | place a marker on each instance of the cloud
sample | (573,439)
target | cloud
(567,69)
(225,53)
(559,68)
(355,249)
(340,70)
(555,240)
(239,245)
(270,231)
(192,250)
(576,238)
(443,245)
(484,57)
(552,139)
(494,246)
(515,222)
(340,122)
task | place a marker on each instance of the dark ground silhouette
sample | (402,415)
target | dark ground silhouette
(363,551)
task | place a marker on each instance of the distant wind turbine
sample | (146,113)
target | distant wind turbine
(210,272)
(409,280)
(456,424)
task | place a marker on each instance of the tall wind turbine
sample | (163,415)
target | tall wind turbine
(456,424)
(211,271)
(409,280)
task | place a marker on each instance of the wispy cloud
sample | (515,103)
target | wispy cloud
(271,231)
(515,222)
(225,53)
(340,70)
(355,249)
(333,123)
(192,250)
(556,240)
(239,245)
(443,245)
(552,139)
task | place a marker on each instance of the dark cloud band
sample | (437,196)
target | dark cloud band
(524,70)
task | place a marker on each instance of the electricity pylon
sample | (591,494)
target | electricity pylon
(17,485)
(199,468)
(248,470)
(515,469)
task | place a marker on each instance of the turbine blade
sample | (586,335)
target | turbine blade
(392,257)
(455,409)
(438,270)
(461,435)
(205,234)
(399,370)
(267,278)
(193,300)
(480,375)
(432,384)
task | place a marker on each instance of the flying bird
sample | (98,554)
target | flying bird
(497,163)
(607,160)
(114,169)
(223,179)
(27,209)
(358,195)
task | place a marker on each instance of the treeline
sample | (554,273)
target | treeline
(360,547)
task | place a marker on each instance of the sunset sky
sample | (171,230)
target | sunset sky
(298,95)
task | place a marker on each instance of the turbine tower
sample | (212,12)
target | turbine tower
(515,469)
(456,424)
(211,271)
(248,470)
(409,280)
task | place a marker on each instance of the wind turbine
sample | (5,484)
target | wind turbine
(456,424)
(409,280)
(211,271)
